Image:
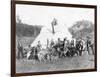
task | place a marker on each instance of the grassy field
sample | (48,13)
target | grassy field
(77,62)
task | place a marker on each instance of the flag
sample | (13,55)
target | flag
(54,22)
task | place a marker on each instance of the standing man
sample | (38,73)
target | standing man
(59,47)
(79,47)
(39,46)
(29,52)
(88,42)
(66,44)
(20,50)
(89,45)
(52,44)
(72,43)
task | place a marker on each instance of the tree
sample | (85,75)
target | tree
(18,19)
(82,29)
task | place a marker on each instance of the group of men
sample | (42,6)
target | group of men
(73,46)
(60,46)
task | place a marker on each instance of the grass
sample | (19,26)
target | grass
(76,62)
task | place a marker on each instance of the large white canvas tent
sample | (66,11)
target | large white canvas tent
(61,31)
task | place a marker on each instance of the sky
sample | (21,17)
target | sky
(44,15)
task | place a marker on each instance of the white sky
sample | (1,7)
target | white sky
(43,15)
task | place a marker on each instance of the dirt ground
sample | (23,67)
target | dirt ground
(77,62)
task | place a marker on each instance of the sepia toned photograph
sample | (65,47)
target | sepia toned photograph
(54,38)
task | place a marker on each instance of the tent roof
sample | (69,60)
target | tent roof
(60,32)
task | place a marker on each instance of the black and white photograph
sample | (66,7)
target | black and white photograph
(54,38)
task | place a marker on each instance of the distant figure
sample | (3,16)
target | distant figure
(20,50)
(39,46)
(19,20)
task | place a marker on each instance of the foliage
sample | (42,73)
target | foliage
(82,29)
(27,30)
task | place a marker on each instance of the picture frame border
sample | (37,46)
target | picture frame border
(13,36)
